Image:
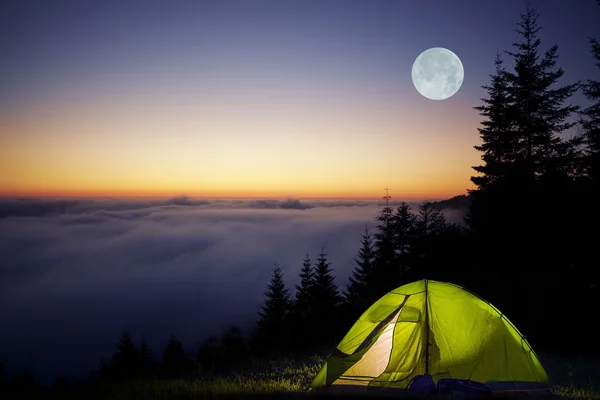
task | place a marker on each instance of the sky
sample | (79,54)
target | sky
(260,98)
(76,273)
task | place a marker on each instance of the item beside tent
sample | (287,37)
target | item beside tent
(421,384)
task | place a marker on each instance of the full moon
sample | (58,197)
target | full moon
(437,73)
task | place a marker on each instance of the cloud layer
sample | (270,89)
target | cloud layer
(75,273)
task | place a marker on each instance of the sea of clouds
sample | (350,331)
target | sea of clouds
(75,273)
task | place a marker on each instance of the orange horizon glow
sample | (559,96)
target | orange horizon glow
(229,195)
(96,148)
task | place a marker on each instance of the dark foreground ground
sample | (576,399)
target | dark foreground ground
(287,379)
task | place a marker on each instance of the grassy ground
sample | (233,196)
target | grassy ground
(574,379)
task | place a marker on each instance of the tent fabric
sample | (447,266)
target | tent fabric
(437,328)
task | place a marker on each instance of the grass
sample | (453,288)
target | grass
(577,392)
(574,378)
(290,378)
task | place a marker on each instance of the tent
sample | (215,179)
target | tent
(435,329)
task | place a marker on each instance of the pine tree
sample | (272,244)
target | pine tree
(210,354)
(326,297)
(61,384)
(105,371)
(274,315)
(234,345)
(581,275)
(591,121)
(146,360)
(538,107)
(126,359)
(429,220)
(541,111)
(501,155)
(302,301)
(386,271)
(175,362)
(430,223)
(500,143)
(357,295)
(404,227)
(528,169)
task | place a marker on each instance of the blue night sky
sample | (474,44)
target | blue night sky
(325,44)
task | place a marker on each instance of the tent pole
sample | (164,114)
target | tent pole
(427,328)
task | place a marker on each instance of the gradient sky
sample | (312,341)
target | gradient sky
(252,97)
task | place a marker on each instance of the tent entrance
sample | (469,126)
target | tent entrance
(374,362)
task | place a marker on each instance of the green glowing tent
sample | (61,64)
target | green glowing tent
(435,328)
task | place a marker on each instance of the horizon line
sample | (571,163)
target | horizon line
(224,197)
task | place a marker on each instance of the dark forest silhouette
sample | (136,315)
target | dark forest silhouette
(529,244)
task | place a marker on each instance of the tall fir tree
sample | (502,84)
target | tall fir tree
(147,363)
(304,329)
(430,224)
(529,168)
(326,298)
(210,354)
(542,111)
(489,215)
(126,359)
(500,143)
(582,276)
(591,121)
(303,297)
(175,363)
(539,106)
(235,345)
(272,329)
(386,270)
(357,295)
(429,220)
(404,227)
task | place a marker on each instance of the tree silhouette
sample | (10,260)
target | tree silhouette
(326,298)
(61,384)
(175,363)
(539,104)
(591,120)
(24,381)
(147,363)
(429,223)
(429,220)
(302,318)
(489,207)
(357,296)
(404,226)
(126,361)
(386,271)
(499,141)
(210,354)
(582,276)
(303,297)
(272,328)
(528,171)
(541,111)
(235,345)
